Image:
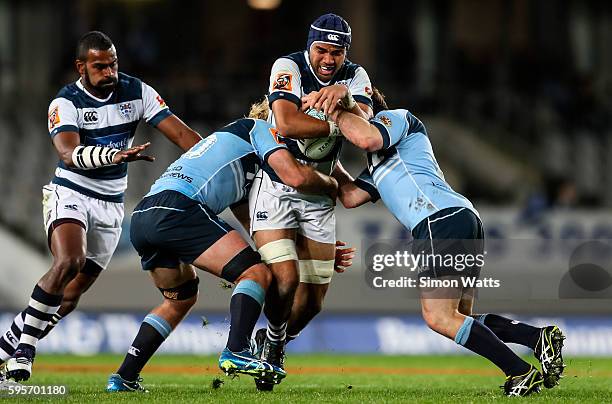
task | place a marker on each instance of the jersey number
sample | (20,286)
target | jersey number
(201,147)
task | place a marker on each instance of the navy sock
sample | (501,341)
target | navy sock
(479,339)
(245,308)
(153,332)
(41,308)
(510,330)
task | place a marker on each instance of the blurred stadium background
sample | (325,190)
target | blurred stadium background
(515,95)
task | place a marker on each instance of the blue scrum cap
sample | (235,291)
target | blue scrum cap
(331,29)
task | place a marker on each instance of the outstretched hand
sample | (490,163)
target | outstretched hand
(133,154)
(344,257)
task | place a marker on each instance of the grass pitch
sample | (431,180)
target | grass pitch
(318,378)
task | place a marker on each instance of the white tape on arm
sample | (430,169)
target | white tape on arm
(89,157)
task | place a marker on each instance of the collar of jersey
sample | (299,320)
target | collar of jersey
(80,85)
(312,71)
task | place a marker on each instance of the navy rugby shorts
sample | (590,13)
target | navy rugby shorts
(453,242)
(169,228)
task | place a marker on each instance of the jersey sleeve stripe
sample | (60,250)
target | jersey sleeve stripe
(384,132)
(65,128)
(284,95)
(363,99)
(160,116)
(369,188)
(269,153)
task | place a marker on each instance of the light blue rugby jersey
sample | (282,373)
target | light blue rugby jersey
(405,173)
(109,122)
(218,171)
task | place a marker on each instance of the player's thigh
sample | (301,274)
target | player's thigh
(224,250)
(466,304)
(277,249)
(263,237)
(314,250)
(68,240)
(316,265)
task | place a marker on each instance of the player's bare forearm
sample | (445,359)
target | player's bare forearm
(362,110)
(178,132)
(65,143)
(293,123)
(351,196)
(300,176)
(314,182)
(358,131)
(341,175)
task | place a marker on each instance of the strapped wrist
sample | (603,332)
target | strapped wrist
(90,157)
(347,102)
(334,130)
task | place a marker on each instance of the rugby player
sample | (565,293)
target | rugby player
(403,172)
(175,228)
(92,123)
(291,229)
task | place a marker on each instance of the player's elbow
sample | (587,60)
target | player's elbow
(372,143)
(295,178)
(66,158)
(347,201)
(284,127)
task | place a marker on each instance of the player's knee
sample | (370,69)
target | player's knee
(287,284)
(179,308)
(259,273)
(69,305)
(68,267)
(245,263)
(181,298)
(437,320)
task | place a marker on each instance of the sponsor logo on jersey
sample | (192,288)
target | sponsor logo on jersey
(126,110)
(385,121)
(282,82)
(261,215)
(90,117)
(276,136)
(333,37)
(54,117)
(161,101)
(71,207)
(115,141)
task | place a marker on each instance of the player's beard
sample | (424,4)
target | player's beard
(104,87)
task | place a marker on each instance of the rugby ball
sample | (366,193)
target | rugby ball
(319,147)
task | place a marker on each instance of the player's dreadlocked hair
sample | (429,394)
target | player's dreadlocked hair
(378,101)
(92,40)
(260,110)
